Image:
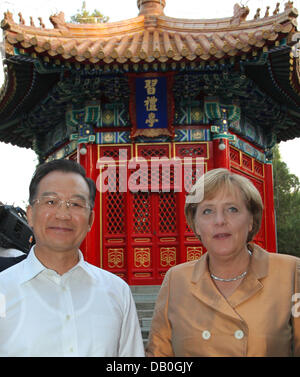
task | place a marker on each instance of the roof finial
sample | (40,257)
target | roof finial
(151,7)
(276,11)
(240,14)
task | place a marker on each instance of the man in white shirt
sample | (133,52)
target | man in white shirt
(53,302)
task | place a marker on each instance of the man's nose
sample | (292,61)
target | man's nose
(63,210)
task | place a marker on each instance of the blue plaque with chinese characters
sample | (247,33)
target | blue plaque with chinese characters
(151,103)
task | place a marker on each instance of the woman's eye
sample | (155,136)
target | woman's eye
(207,211)
(233,209)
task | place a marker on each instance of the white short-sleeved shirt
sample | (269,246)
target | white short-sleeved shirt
(85,312)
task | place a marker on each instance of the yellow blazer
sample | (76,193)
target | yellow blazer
(192,318)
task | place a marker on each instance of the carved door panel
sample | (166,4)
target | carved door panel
(143,231)
(153,242)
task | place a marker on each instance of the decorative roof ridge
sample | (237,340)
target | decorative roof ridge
(8,22)
(132,25)
(224,24)
(141,23)
(109,29)
(236,22)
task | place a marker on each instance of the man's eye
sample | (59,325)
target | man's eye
(75,204)
(78,203)
(51,202)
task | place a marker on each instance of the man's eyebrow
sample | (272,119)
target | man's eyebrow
(52,193)
(49,193)
(79,196)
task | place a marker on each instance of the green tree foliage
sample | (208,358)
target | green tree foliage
(287,206)
(83,16)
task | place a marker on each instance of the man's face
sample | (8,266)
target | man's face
(60,228)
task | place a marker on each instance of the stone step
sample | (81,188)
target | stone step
(146,323)
(145,288)
(145,335)
(148,313)
(145,297)
(145,306)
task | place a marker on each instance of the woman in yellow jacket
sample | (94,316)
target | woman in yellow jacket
(237,299)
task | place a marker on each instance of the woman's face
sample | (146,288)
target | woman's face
(223,223)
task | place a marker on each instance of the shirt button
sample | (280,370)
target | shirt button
(71,349)
(68,317)
(239,334)
(206,334)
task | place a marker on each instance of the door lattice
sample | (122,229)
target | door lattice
(142,213)
(115,209)
(167,212)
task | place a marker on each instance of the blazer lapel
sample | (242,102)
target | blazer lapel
(251,284)
(205,290)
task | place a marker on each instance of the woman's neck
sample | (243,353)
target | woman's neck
(229,266)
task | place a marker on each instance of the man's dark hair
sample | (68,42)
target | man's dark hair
(66,166)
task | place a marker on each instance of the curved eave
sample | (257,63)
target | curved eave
(279,80)
(14,136)
(24,87)
(279,77)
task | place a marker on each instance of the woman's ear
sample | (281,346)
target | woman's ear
(250,226)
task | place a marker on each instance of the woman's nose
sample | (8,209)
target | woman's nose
(220,218)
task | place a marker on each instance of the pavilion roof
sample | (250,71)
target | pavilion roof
(151,36)
(41,62)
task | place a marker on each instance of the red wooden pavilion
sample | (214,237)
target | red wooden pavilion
(146,105)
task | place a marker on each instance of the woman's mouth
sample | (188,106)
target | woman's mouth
(221,236)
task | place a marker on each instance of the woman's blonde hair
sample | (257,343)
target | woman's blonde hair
(210,183)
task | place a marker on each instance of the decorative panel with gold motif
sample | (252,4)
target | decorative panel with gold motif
(142,257)
(167,256)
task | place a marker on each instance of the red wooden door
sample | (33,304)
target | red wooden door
(153,237)
(143,232)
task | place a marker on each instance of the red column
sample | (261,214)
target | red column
(271,242)
(221,157)
(91,244)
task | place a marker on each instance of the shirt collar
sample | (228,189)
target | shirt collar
(86,267)
(33,267)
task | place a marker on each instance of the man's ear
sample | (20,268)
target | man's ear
(29,216)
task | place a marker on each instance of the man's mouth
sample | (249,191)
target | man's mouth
(60,229)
